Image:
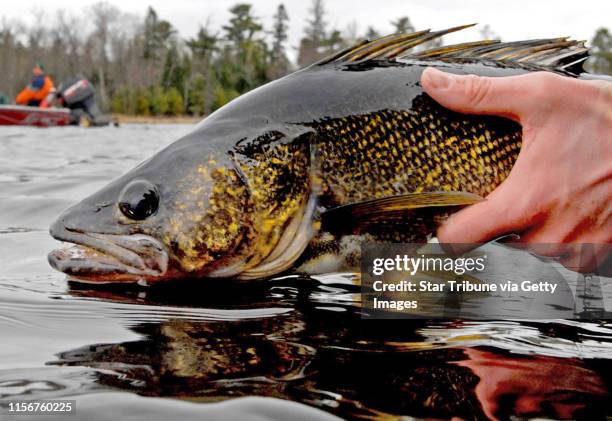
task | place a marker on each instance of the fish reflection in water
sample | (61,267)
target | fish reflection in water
(323,353)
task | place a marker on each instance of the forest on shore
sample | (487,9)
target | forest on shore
(141,65)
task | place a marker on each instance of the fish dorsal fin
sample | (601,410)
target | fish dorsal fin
(554,53)
(387,47)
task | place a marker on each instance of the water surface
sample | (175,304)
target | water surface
(291,347)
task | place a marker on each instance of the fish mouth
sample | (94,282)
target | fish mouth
(100,258)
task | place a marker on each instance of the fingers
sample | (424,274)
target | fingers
(577,257)
(527,202)
(589,258)
(494,217)
(513,96)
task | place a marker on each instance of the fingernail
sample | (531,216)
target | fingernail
(438,80)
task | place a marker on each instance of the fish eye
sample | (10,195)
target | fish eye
(139,200)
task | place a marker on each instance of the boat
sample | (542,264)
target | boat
(72,103)
(22,115)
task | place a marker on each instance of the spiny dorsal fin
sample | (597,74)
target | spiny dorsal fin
(481,49)
(387,47)
(455,48)
(556,53)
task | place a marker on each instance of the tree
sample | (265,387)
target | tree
(315,34)
(196,103)
(156,34)
(200,91)
(601,52)
(279,63)
(104,15)
(279,33)
(316,28)
(334,42)
(174,101)
(122,102)
(176,69)
(158,100)
(487,33)
(242,64)
(242,25)
(204,44)
(223,96)
(150,40)
(67,41)
(143,103)
(403,25)
(372,33)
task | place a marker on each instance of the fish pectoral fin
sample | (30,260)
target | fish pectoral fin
(392,204)
(392,210)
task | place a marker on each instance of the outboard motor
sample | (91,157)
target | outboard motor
(78,94)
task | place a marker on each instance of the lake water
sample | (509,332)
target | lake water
(285,348)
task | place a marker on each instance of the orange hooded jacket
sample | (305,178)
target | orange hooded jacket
(36,91)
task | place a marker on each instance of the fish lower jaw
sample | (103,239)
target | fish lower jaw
(104,258)
(84,263)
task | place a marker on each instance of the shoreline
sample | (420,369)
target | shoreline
(153,119)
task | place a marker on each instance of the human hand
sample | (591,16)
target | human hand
(558,196)
(547,386)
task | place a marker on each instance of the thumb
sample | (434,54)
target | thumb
(512,96)
(497,215)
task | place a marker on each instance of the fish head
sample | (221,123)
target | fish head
(186,212)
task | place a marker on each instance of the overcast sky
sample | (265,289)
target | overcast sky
(510,19)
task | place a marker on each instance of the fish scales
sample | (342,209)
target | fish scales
(425,148)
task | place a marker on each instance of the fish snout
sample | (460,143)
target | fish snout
(92,256)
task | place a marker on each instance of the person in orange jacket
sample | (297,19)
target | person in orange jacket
(37,91)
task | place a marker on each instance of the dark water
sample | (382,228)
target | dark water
(286,348)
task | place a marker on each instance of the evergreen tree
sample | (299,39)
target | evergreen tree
(156,34)
(316,28)
(242,25)
(175,102)
(176,69)
(601,52)
(279,33)
(242,63)
(158,100)
(372,33)
(315,35)
(200,90)
(403,25)
(150,41)
(196,103)
(203,45)
(334,42)
(279,63)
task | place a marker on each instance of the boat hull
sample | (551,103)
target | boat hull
(19,115)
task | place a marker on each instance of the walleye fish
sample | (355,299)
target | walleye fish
(296,174)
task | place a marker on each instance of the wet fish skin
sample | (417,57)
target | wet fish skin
(423,148)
